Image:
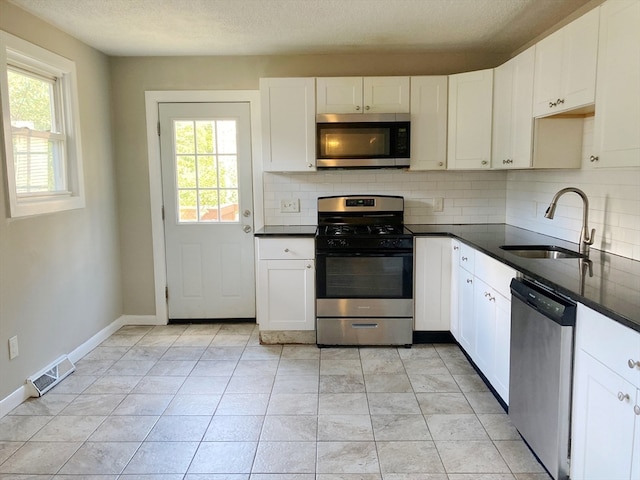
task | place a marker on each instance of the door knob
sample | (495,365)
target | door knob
(246,228)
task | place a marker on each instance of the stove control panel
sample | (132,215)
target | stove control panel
(360,202)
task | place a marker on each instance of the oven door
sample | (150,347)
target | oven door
(373,275)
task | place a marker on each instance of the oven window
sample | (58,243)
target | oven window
(367,277)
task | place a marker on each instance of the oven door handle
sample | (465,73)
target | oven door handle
(386,253)
(364,325)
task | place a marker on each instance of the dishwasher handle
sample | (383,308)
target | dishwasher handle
(559,309)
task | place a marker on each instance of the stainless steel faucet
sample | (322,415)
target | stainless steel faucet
(586,238)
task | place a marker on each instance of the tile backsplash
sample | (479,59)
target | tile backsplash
(468,197)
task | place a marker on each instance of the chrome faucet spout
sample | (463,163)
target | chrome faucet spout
(586,238)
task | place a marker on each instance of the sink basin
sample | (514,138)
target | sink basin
(541,251)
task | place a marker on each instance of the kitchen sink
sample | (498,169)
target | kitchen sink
(541,251)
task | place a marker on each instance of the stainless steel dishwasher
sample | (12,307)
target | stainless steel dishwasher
(542,324)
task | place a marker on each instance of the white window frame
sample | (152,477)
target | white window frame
(30,57)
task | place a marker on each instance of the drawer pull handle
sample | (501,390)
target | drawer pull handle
(308,266)
(636,409)
(623,396)
(364,325)
(286,250)
(455,247)
(469,280)
(632,363)
(464,259)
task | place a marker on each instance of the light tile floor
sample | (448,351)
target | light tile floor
(208,402)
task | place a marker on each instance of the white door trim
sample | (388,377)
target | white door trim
(152,99)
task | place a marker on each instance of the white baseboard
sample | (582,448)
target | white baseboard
(14,399)
(23,393)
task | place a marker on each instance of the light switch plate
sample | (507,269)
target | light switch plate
(438,204)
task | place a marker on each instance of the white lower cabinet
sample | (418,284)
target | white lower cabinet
(606,400)
(484,315)
(285,287)
(432,287)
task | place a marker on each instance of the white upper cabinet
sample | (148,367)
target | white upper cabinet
(288,124)
(429,123)
(512,112)
(470,116)
(617,119)
(362,94)
(565,67)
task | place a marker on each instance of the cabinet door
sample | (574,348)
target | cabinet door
(513,112)
(286,294)
(432,284)
(429,123)
(500,371)
(466,317)
(469,122)
(565,67)
(386,94)
(288,124)
(455,293)
(603,425)
(339,95)
(484,311)
(617,120)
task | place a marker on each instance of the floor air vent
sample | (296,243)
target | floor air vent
(48,378)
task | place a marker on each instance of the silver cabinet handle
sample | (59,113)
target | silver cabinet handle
(440,164)
(484,162)
(594,158)
(246,228)
(246,213)
(632,363)
(464,259)
(310,165)
(636,409)
(357,107)
(553,104)
(455,247)
(286,250)
(623,396)
(560,101)
(309,266)
(469,280)
(487,294)
(367,107)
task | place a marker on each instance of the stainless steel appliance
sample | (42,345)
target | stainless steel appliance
(542,324)
(364,272)
(363,140)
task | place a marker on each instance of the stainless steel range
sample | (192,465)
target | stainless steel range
(364,272)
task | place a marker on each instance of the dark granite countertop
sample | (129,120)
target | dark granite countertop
(286,231)
(607,283)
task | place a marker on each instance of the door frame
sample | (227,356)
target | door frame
(152,99)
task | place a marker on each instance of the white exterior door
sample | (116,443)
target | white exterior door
(208,218)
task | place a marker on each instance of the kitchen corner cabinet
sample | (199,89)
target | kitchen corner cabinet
(362,94)
(513,112)
(617,118)
(429,122)
(484,315)
(469,120)
(288,124)
(285,290)
(565,67)
(432,284)
(606,399)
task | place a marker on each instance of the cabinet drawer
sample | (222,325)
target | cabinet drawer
(467,255)
(286,248)
(494,273)
(611,343)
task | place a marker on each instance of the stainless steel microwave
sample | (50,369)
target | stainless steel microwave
(363,140)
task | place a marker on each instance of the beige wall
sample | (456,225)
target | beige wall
(60,273)
(131,77)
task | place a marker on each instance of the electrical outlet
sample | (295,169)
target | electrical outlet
(13,347)
(289,205)
(438,204)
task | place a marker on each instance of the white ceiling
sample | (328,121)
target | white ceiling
(266,27)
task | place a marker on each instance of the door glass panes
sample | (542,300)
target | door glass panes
(206,171)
